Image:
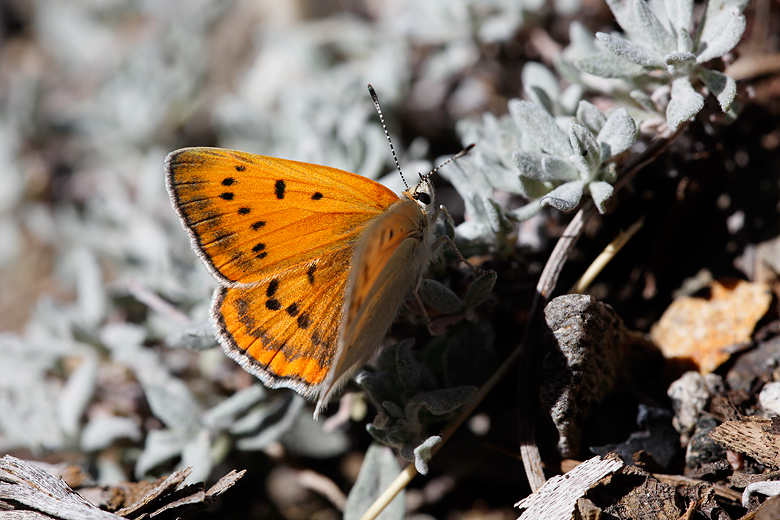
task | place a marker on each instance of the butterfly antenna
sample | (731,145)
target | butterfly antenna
(387,134)
(454,157)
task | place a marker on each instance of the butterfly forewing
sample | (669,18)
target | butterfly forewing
(253,217)
(285,331)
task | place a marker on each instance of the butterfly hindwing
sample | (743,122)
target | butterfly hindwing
(253,217)
(285,331)
(388,263)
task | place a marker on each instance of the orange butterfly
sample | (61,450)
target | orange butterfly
(313,262)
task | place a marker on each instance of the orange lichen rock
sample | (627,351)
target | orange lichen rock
(705,331)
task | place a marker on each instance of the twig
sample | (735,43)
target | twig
(605,257)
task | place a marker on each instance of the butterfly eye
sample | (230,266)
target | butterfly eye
(423,197)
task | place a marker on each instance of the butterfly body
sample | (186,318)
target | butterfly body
(313,262)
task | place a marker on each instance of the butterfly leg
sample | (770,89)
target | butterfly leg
(422,306)
(446,239)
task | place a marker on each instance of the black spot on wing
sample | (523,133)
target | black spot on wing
(273,304)
(279,188)
(272,287)
(304,320)
(257,225)
(317,196)
(244,211)
(226,196)
(292,310)
(228,181)
(310,273)
(240,167)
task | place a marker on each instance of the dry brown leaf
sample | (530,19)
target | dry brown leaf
(706,331)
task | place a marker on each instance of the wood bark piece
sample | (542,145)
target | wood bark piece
(557,498)
(634,493)
(39,491)
(756,437)
(33,494)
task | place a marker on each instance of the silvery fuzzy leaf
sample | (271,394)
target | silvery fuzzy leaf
(589,115)
(684,40)
(169,399)
(537,75)
(544,168)
(196,338)
(565,197)
(608,65)
(623,12)
(720,34)
(75,396)
(557,169)
(274,431)
(495,215)
(400,434)
(196,454)
(378,471)
(109,472)
(680,63)
(533,189)
(617,135)
(530,164)
(685,103)
(480,289)
(393,409)
(570,98)
(439,296)
(723,86)
(714,9)
(422,454)
(541,127)
(385,364)
(378,386)
(439,402)
(308,438)
(122,336)
(651,30)
(567,8)
(254,419)
(539,97)
(379,435)
(600,191)
(526,212)
(161,446)
(101,431)
(630,51)
(225,413)
(91,295)
(409,370)
(680,13)
(643,99)
(586,149)
(469,358)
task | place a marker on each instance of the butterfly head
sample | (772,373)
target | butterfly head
(423,194)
